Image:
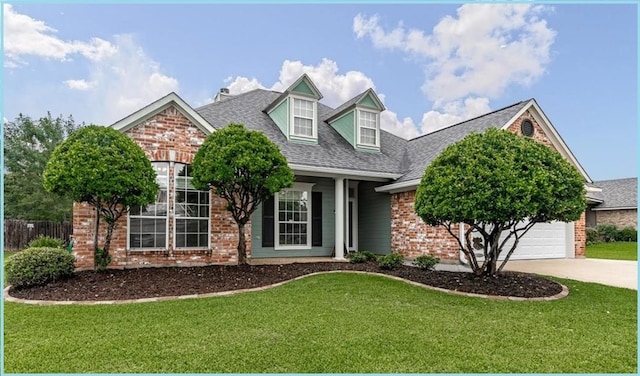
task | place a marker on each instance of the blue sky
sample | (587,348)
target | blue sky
(432,64)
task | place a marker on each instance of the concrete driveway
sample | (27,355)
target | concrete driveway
(615,273)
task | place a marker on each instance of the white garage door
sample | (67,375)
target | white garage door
(544,240)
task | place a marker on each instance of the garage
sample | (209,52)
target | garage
(543,241)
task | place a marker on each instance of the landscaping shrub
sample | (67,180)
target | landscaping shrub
(361,256)
(38,266)
(46,242)
(628,234)
(592,236)
(607,233)
(426,262)
(390,261)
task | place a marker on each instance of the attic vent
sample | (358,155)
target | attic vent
(527,128)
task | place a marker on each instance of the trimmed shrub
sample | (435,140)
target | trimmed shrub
(390,261)
(361,256)
(426,262)
(607,233)
(38,266)
(46,242)
(628,234)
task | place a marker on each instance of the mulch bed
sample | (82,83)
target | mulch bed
(121,284)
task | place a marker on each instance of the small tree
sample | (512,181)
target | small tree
(106,169)
(498,182)
(243,167)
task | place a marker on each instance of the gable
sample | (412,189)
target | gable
(303,88)
(544,132)
(169,100)
(369,101)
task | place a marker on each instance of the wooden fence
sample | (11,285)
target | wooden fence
(18,233)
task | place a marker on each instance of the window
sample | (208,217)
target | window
(303,118)
(368,128)
(191,211)
(148,225)
(293,217)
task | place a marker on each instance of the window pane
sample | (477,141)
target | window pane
(192,226)
(203,240)
(302,127)
(192,240)
(181,226)
(204,211)
(192,197)
(204,225)
(180,241)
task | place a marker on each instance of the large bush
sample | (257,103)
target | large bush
(46,241)
(38,266)
(498,183)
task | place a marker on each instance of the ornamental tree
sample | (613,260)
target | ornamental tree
(106,169)
(497,185)
(243,167)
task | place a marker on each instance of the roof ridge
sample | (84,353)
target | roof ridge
(471,119)
(233,97)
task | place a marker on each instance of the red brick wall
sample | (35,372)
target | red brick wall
(411,237)
(168,130)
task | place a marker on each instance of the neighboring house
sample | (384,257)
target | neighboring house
(615,204)
(354,183)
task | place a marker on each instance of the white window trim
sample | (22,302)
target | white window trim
(314,125)
(175,218)
(166,231)
(304,187)
(377,129)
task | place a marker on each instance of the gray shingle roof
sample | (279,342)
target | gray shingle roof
(422,150)
(397,155)
(618,193)
(331,151)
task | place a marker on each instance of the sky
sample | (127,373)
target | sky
(432,65)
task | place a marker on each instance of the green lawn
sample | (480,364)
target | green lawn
(332,323)
(613,250)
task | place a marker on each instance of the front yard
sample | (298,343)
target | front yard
(613,251)
(331,323)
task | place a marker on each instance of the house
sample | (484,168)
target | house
(354,183)
(616,203)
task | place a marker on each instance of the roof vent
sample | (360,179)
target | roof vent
(224,90)
(527,128)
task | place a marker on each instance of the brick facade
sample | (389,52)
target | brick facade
(167,131)
(620,218)
(411,237)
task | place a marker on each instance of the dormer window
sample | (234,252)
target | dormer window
(368,128)
(303,118)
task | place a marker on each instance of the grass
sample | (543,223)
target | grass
(332,323)
(613,251)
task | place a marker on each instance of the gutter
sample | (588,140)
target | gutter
(341,172)
(408,185)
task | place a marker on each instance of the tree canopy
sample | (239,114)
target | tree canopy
(28,143)
(104,168)
(243,167)
(498,182)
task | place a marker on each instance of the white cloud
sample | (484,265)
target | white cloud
(471,58)
(79,84)
(25,36)
(122,78)
(126,81)
(336,89)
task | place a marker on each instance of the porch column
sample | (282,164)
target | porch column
(339,216)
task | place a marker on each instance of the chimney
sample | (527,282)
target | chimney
(222,95)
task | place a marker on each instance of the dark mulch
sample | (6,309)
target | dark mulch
(123,284)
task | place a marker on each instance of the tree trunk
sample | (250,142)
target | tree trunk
(242,245)
(107,239)
(95,241)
